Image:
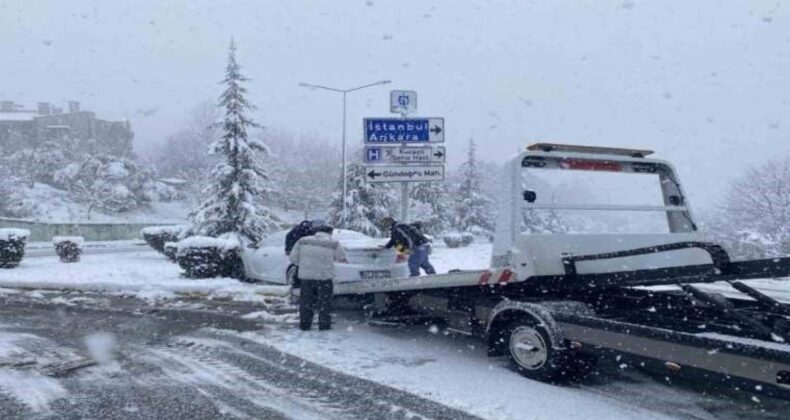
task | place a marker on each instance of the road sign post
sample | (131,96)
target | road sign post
(403,149)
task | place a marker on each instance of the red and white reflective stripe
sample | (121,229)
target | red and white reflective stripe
(506,275)
(503,278)
(484,278)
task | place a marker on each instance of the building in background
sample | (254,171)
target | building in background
(27,128)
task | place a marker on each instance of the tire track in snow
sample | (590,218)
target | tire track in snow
(232,388)
(356,397)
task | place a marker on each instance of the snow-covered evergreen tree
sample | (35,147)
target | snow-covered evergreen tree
(474,210)
(430,204)
(237,188)
(366,204)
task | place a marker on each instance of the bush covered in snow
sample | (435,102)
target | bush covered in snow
(112,183)
(12,246)
(68,248)
(92,175)
(203,256)
(158,236)
(171,250)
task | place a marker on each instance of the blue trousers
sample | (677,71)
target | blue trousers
(419,259)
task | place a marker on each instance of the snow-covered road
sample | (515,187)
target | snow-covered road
(92,360)
(450,370)
(91,355)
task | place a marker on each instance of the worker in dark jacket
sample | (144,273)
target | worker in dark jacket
(409,240)
(298,232)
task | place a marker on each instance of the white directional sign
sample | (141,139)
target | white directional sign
(403,101)
(404,173)
(404,154)
(403,130)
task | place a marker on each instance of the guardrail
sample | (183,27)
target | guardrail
(44,231)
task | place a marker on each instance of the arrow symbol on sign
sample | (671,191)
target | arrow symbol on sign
(439,154)
(373,174)
(436,129)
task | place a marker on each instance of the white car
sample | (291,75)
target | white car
(366,260)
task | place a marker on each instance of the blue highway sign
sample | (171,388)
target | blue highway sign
(403,130)
(395,153)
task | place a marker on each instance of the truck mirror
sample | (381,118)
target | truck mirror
(674,200)
(530,196)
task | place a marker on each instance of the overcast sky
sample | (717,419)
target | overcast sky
(705,83)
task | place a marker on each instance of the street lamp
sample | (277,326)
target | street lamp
(344,92)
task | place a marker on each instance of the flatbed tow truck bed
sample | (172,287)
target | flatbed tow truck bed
(553,303)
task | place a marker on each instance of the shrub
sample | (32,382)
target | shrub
(12,246)
(170,250)
(68,248)
(158,236)
(202,257)
(457,240)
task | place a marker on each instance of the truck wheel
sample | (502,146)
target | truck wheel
(532,352)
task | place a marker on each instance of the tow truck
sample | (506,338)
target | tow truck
(556,302)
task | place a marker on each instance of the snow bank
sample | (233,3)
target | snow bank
(145,274)
(13,233)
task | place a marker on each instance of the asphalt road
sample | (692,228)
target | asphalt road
(92,356)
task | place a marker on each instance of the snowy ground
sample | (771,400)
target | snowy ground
(142,273)
(451,370)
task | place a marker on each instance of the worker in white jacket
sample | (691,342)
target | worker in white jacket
(316,256)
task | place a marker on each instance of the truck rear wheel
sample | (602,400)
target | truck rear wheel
(532,352)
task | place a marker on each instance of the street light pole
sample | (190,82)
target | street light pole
(345,92)
(345,179)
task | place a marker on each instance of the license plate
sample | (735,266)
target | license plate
(376,274)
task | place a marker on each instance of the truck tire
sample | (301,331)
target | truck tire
(532,352)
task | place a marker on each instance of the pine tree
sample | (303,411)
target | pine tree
(474,210)
(366,204)
(238,181)
(430,204)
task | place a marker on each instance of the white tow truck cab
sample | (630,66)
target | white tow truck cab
(534,255)
(563,290)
